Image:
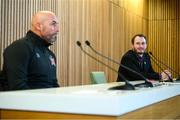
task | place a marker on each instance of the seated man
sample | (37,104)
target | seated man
(138,60)
(28,62)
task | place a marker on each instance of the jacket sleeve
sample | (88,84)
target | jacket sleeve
(16,58)
(151,74)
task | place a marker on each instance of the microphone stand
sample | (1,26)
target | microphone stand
(127,86)
(155,61)
(178,78)
(146,84)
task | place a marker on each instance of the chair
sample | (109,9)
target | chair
(98,77)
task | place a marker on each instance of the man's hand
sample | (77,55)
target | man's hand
(165,75)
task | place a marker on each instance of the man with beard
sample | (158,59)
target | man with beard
(138,60)
(28,62)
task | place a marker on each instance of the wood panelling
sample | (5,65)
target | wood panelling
(108,24)
(163,32)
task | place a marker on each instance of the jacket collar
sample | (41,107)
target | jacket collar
(37,39)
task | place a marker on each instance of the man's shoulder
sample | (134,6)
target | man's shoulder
(22,44)
(129,53)
(146,56)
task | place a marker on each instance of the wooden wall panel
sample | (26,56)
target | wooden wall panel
(163,32)
(84,20)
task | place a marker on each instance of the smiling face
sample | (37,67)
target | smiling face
(139,45)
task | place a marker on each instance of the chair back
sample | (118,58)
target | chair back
(98,77)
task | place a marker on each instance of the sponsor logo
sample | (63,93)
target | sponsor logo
(52,61)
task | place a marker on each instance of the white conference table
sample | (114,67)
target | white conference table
(87,99)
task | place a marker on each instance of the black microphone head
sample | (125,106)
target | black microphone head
(87,43)
(150,52)
(78,43)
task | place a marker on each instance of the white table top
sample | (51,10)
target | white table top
(87,99)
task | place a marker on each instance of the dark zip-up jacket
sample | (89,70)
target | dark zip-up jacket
(143,66)
(29,64)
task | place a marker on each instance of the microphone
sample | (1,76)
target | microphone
(178,78)
(127,86)
(89,45)
(146,84)
(156,62)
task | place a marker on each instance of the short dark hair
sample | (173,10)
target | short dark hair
(139,35)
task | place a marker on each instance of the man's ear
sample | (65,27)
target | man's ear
(132,46)
(38,26)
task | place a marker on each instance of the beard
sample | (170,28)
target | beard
(51,39)
(139,52)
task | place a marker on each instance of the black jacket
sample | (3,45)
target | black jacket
(29,64)
(144,67)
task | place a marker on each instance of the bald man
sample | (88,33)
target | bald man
(28,63)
